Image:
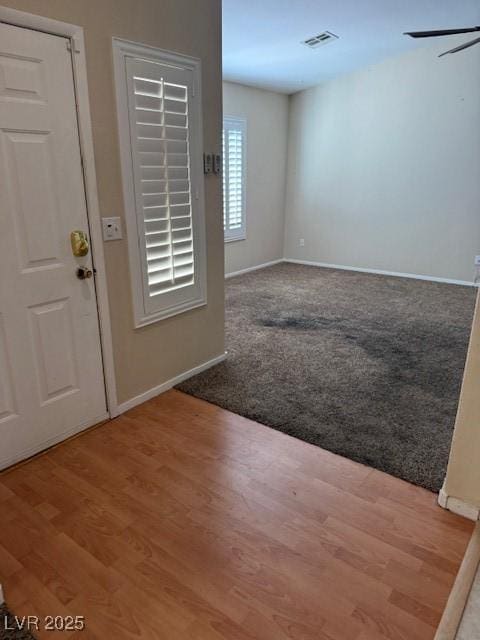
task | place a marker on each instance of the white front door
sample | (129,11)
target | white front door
(51,376)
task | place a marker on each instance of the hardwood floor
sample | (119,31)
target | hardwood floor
(179,520)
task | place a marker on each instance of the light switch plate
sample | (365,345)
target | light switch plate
(112,229)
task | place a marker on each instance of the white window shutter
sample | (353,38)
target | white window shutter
(234,178)
(165,174)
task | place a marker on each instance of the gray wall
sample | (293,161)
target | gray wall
(266,113)
(384,167)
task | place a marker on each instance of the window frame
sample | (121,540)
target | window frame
(168,306)
(238,234)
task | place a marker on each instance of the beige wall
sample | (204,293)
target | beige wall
(463,473)
(266,113)
(384,166)
(149,356)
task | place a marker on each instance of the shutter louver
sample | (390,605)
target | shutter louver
(161,129)
(234,178)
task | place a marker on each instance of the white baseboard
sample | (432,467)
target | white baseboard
(458,506)
(397,274)
(257,266)
(329,265)
(165,386)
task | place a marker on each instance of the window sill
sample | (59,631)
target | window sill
(235,239)
(145,320)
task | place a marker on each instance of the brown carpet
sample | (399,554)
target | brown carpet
(366,366)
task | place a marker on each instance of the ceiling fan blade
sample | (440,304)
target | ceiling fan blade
(440,32)
(462,46)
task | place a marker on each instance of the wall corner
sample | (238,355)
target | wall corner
(457,506)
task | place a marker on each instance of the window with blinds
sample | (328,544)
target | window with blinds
(161,133)
(162,167)
(234,166)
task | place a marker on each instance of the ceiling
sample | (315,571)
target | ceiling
(262,38)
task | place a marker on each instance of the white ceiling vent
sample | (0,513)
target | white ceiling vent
(320,40)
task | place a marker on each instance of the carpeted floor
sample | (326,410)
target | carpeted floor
(366,366)
(10,628)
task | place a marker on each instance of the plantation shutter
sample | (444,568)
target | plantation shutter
(234,147)
(164,153)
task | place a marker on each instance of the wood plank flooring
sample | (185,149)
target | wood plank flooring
(179,520)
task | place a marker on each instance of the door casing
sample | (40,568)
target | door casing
(74,34)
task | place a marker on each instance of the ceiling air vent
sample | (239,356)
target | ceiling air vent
(320,40)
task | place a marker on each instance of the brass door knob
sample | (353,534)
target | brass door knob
(79,242)
(83,273)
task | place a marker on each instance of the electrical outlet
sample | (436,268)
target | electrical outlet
(112,229)
(302,242)
(477,261)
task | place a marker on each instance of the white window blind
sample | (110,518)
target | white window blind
(161,136)
(164,168)
(234,166)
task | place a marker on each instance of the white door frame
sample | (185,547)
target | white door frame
(79,66)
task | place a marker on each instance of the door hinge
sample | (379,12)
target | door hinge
(70,48)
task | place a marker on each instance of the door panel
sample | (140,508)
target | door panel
(53,342)
(7,400)
(30,180)
(51,376)
(21,78)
